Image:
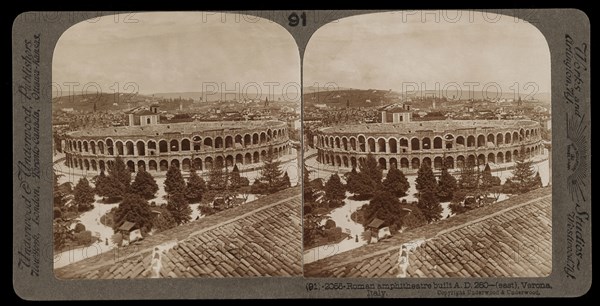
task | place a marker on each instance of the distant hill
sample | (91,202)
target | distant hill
(351,97)
(211,96)
(103,102)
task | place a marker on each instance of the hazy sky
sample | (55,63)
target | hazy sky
(176,52)
(385,50)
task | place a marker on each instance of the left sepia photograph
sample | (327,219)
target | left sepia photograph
(176,148)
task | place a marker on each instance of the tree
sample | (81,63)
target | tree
(285,181)
(307,188)
(164,222)
(134,209)
(522,175)
(196,187)
(396,183)
(446,185)
(430,205)
(217,180)
(119,171)
(312,228)
(271,172)
(385,206)
(179,208)
(174,182)
(370,168)
(62,232)
(335,192)
(537,181)
(426,180)
(83,195)
(57,193)
(234,178)
(144,185)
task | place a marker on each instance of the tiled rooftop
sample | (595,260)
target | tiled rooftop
(261,238)
(185,128)
(433,125)
(512,238)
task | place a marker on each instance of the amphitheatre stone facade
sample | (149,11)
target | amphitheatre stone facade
(155,147)
(407,145)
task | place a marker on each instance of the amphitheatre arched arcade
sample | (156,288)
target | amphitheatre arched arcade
(408,145)
(155,147)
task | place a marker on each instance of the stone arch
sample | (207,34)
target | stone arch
(129,147)
(516,154)
(164,165)
(93,164)
(86,164)
(131,165)
(507,138)
(175,163)
(528,153)
(426,143)
(515,137)
(371,143)
(247,140)
(393,163)
(85,146)
(228,142)
(186,164)
(337,142)
(269,134)
(508,157)
(263,137)
(255,138)
(471,162)
(362,143)
(119,148)
(326,158)
(491,139)
(438,162)
(427,161)
(196,142)
(208,142)
(382,163)
(185,144)
(101,165)
(248,158)
(438,143)
(404,163)
(403,145)
(141,165)
(460,140)
(219,161)
(393,145)
(151,147)
(449,162)
(499,139)
(198,163)
(208,162)
(218,142)
(491,158)
(527,134)
(500,158)
(101,147)
(345,143)
(353,143)
(93,146)
(174,145)
(416,163)
(141,148)
(345,161)
(163,146)
(415,144)
(152,165)
(239,159)
(460,161)
(381,145)
(481,159)
(353,162)
(256,157)
(263,154)
(470,141)
(338,161)
(480,141)
(238,139)
(79,148)
(449,140)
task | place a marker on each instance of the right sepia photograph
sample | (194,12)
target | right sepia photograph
(427,147)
